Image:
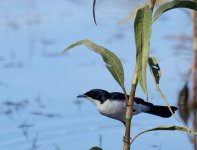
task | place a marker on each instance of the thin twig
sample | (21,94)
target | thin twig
(194,88)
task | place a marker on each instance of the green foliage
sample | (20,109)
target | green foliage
(155,69)
(142,25)
(113,63)
(190,4)
(170,128)
(156,74)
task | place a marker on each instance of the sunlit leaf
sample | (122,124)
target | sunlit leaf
(190,4)
(94,16)
(113,63)
(170,128)
(142,26)
(183,104)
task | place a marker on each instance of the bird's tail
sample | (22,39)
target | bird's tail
(162,111)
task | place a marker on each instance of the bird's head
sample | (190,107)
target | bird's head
(96,95)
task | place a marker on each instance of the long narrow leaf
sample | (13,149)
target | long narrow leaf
(170,128)
(94,16)
(156,74)
(155,69)
(190,4)
(142,26)
(113,63)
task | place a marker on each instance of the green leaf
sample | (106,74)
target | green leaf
(156,74)
(94,16)
(154,68)
(170,128)
(113,63)
(142,26)
(190,4)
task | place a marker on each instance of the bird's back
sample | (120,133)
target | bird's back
(117,96)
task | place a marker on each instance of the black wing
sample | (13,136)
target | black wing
(117,96)
(121,96)
(141,101)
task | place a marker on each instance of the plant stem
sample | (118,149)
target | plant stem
(152,4)
(129,111)
(130,102)
(194,89)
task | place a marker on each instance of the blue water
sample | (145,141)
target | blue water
(39,109)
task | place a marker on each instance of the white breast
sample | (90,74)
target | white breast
(116,109)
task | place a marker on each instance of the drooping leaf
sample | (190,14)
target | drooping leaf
(156,74)
(155,69)
(94,16)
(113,63)
(142,26)
(183,104)
(169,128)
(190,4)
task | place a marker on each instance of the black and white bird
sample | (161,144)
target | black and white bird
(113,105)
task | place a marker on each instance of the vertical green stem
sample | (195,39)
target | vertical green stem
(129,111)
(130,102)
(194,89)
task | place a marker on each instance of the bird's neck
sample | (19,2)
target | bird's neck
(96,102)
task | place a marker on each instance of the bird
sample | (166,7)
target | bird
(113,105)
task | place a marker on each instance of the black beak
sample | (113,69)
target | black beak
(81,96)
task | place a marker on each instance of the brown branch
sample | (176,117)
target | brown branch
(129,111)
(194,71)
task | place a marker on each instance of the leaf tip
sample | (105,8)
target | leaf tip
(94,16)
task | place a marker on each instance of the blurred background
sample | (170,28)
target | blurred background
(38,105)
